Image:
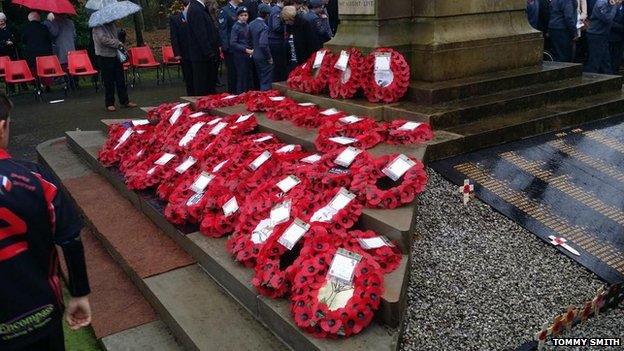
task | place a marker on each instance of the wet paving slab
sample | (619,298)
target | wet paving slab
(567,186)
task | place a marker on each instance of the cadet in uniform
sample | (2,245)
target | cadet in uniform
(227,18)
(316,26)
(259,36)
(240,48)
(598,36)
(562,28)
(277,42)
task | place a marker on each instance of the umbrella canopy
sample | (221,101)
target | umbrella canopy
(55,6)
(112,12)
(95,5)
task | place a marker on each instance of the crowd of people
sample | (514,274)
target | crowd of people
(259,41)
(584,31)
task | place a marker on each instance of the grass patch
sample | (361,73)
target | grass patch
(79,340)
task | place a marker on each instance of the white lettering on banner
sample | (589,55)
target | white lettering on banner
(356,7)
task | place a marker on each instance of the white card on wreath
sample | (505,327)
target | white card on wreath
(202,182)
(347,156)
(218,128)
(343,140)
(180,106)
(191,134)
(341,200)
(197,114)
(229,97)
(409,126)
(280,213)
(374,242)
(230,206)
(307,104)
(330,112)
(277,98)
(175,115)
(293,233)
(311,159)
(184,166)
(286,148)
(214,121)
(140,122)
(382,61)
(261,233)
(218,167)
(350,119)
(343,61)
(288,183)
(164,159)
(264,138)
(318,59)
(397,167)
(127,133)
(243,118)
(343,266)
(194,199)
(260,160)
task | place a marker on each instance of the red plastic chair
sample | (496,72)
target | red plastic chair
(50,67)
(142,58)
(3,61)
(17,72)
(169,60)
(79,65)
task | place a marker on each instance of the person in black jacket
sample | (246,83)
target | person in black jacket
(181,45)
(36,39)
(332,12)
(7,39)
(616,40)
(204,34)
(227,18)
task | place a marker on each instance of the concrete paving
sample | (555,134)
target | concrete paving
(152,336)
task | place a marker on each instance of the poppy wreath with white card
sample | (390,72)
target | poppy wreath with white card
(160,112)
(150,171)
(381,249)
(377,189)
(260,101)
(254,226)
(242,123)
(206,103)
(282,110)
(306,115)
(331,137)
(170,118)
(387,76)
(278,260)
(119,140)
(332,172)
(188,164)
(347,75)
(220,219)
(336,209)
(328,308)
(408,132)
(312,76)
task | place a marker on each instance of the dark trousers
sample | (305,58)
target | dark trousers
(265,74)
(205,77)
(280,61)
(187,74)
(232,77)
(114,79)
(599,56)
(617,50)
(53,342)
(562,45)
(243,71)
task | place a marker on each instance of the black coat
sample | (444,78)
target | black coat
(6,34)
(180,41)
(203,33)
(252,8)
(37,41)
(332,13)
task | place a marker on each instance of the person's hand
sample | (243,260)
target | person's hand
(270,61)
(78,312)
(50,17)
(576,38)
(8,42)
(249,51)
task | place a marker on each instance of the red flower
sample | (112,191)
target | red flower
(344,84)
(397,88)
(308,79)
(408,132)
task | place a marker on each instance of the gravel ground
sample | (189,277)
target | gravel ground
(482,282)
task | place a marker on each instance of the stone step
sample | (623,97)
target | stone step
(430,93)
(154,336)
(211,255)
(450,114)
(517,125)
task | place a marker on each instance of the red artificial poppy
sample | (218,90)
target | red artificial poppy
(344,83)
(387,85)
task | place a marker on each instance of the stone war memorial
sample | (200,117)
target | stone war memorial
(465,195)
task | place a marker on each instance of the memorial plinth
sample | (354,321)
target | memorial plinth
(443,39)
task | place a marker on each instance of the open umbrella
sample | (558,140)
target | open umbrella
(112,12)
(95,5)
(56,6)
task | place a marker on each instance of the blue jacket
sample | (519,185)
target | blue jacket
(227,18)
(617,29)
(259,39)
(532,11)
(317,31)
(239,39)
(563,15)
(602,18)
(276,26)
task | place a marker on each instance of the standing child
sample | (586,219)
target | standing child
(239,46)
(598,36)
(259,38)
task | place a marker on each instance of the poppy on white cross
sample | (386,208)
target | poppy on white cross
(467,189)
(558,241)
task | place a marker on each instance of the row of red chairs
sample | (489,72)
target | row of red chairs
(79,65)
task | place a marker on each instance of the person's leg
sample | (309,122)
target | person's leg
(212,69)
(200,77)
(605,55)
(561,45)
(265,74)
(187,74)
(231,67)
(108,78)
(279,62)
(120,83)
(242,74)
(616,50)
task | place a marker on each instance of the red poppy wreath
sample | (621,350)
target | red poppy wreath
(377,189)
(312,76)
(408,132)
(387,76)
(206,103)
(328,309)
(347,75)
